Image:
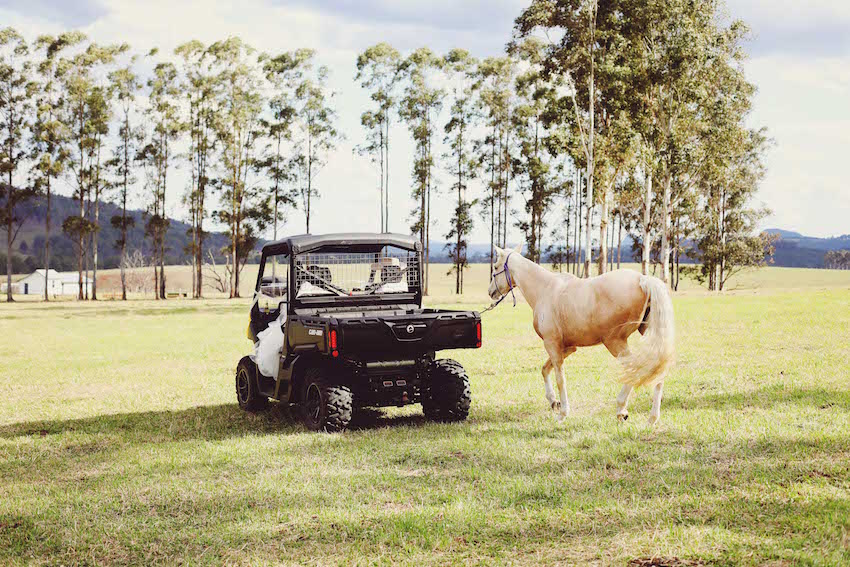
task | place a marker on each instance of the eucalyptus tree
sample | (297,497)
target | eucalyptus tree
(239,106)
(17,89)
(318,134)
(420,107)
(100,115)
(532,165)
(494,85)
(199,85)
(125,85)
(284,72)
(671,43)
(730,156)
(79,75)
(588,55)
(163,118)
(378,71)
(576,57)
(461,69)
(50,135)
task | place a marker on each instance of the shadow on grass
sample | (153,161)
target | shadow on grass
(202,422)
(765,397)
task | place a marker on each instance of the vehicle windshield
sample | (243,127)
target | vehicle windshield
(346,274)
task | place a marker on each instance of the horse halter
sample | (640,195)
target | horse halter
(507,272)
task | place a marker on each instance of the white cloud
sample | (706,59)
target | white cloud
(804,104)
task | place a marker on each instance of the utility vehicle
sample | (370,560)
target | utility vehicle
(355,333)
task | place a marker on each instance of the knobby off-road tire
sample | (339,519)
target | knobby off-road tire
(322,405)
(246,387)
(446,393)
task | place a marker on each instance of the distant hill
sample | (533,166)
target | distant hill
(28,253)
(796,250)
(793,250)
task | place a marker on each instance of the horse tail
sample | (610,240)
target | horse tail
(651,360)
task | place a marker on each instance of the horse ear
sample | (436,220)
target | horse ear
(498,250)
(518,248)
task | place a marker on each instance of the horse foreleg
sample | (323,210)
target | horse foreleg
(547,384)
(655,414)
(556,357)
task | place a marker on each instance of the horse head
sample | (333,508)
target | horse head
(501,280)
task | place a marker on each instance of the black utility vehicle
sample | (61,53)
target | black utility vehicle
(355,332)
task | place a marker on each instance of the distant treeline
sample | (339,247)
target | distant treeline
(28,254)
(625,126)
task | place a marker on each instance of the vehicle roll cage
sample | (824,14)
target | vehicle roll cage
(294,246)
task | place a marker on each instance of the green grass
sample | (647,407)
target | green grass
(121,443)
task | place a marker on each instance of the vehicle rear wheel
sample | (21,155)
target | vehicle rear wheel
(323,406)
(246,387)
(446,393)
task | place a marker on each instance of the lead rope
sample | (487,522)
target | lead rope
(510,286)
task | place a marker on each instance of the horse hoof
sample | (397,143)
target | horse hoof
(562,417)
(556,405)
(622,417)
(653,419)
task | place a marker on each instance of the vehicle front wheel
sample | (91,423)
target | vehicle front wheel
(323,406)
(246,387)
(446,393)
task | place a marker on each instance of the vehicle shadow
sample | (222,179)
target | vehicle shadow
(215,422)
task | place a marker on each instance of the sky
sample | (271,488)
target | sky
(799,60)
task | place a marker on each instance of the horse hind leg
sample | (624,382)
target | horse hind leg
(618,348)
(623,402)
(547,384)
(657,394)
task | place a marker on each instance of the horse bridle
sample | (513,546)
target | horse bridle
(507,271)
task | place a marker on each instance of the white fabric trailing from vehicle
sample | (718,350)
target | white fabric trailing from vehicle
(268,348)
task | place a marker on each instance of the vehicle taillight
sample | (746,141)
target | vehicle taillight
(333,344)
(478,334)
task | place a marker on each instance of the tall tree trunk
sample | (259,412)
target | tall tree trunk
(507,185)
(665,228)
(124,209)
(603,231)
(81,243)
(428,212)
(309,177)
(722,264)
(499,193)
(387,174)
(619,241)
(492,197)
(96,224)
(590,149)
(577,236)
(47,244)
(9,243)
(381,176)
(457,215)
(647,204)
(202,187)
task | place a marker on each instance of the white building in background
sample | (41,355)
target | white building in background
(66,283)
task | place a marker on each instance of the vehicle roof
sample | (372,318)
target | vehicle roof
(365,241)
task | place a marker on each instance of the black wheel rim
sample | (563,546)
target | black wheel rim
(243,387)
(313,403)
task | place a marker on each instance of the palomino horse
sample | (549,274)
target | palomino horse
(570,312)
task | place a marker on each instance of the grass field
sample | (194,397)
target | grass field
(121,443)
